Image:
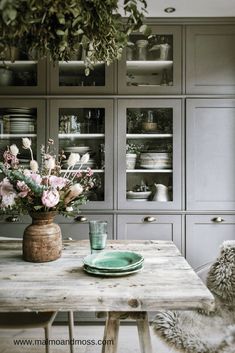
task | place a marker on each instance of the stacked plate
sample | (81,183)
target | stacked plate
(77,149)
(155,160)
(19,121)
(113,263)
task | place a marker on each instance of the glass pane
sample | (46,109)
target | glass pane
(149,145)
(150,60)
(81,130)
(16,123)
(21,72)
(73,74)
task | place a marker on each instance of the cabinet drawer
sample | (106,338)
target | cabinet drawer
(78,228)
(13,226)
(205,234)
(154,226)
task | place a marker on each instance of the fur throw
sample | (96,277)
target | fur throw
(200,332)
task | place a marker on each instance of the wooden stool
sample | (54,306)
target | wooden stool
(112,329)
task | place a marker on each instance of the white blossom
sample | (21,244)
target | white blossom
(14,150)
(26,142)
(73,192)
(50,163)
(73,159)
(69,209)
(85,158)
(34,166)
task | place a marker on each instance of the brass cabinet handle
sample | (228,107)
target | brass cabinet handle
(149,219)
(12,219)
(218,220)
(80,219)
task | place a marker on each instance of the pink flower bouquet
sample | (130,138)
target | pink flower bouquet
(46,187)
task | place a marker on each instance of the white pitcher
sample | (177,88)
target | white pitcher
(161,193)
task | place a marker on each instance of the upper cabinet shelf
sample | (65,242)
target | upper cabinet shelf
(23,76)
(152,65)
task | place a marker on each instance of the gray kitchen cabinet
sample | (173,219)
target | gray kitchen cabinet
(13,226)
(22,118)
(23,76)
(210,57)
(86,126)
(78,228)
(152,65)
(205,234)
(153,127)
(69,78)
(150,227)
(210,164)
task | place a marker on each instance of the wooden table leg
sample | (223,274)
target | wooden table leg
(144,333)
(71,330)
(111,334)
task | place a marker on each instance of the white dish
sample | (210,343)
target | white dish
(138,195)
(78,149)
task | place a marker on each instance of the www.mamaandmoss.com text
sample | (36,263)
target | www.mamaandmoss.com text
(62,342)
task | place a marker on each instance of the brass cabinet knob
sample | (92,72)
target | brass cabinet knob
(149,219)
(80,219)
(218,220)
(12,219)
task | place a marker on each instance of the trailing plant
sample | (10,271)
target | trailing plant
(61,28)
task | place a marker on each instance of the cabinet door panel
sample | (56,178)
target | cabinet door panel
(210,154)
(155,227)
(205,234)
(153,128)
(152,65)
(78,230)
(86,126)
(210,61)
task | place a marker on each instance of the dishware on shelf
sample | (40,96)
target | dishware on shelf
(97,234)
(142,49)
(6,76)
(113,263)
(164,51)
(138,195)
(161,193)
(131,160)
(77,149)
(155,160)
(149,124)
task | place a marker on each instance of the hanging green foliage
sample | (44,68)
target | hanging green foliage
(60,29)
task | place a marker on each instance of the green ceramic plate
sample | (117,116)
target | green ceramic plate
(114,260)
(104,273)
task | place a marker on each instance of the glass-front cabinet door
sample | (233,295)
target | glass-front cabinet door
(149,159)
(22,118)
(86,126)
(70,77)
(152,64)
(24,75)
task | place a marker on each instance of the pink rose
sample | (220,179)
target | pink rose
(57,182)
(50,198)
(36,178)
(23,188)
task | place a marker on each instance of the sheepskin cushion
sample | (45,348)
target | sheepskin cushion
(201,332)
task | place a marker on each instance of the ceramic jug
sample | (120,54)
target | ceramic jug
(161,193)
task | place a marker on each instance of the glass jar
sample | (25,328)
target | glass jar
(142,49)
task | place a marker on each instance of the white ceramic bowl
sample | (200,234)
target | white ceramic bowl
(139,195)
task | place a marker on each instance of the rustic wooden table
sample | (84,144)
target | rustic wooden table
(166,282)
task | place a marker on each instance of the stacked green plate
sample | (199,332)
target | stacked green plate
(113,263)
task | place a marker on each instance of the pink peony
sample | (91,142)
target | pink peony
(50,198)
(36,178)
(57,182)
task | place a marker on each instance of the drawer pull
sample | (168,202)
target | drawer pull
(149,219)
(218,220)
(80,219)
(12,219)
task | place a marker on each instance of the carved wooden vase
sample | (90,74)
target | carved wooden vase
(42,240)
